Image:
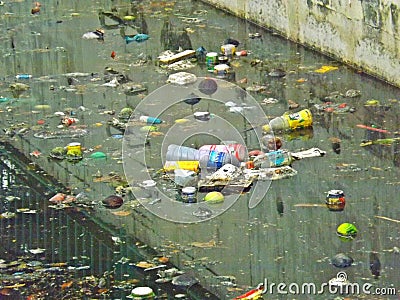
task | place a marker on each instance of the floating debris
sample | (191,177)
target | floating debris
(184,280)
(342,260)
(202,213)
(37,251)
(325,69)
(8,215)
(113,202)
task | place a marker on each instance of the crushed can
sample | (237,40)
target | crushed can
(335,200)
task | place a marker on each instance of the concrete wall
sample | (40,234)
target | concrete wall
(361,33)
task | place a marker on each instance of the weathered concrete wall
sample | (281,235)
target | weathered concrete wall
(362,33)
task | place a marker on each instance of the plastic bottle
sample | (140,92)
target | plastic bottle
(213,160)
(237,150)
(150,120)
(23,76)
(277,158)
(189,165)
(181,153)
(301,119)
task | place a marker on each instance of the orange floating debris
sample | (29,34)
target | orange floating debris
(163,259)
(66,285)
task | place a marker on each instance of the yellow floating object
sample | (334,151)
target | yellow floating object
(75,14)
(15,286)
(129,18)
(42,106)
(181,121)
(156,133)
(325,69)
(98,124)
(190,165)
(371,103)
(214,197)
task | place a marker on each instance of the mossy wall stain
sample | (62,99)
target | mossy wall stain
(364,34)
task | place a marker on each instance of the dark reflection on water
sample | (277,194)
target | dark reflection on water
(280,239)
(69,241)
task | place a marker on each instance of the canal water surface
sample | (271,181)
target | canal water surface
(289,237)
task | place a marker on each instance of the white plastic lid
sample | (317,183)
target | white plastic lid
(141,291)
(149,183)
(189,190)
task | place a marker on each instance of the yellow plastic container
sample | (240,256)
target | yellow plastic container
(190,165)
(301,119)
(74,149)
(290,121)
(228,50)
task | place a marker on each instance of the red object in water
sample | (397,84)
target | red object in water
(41,122)
(67,121)
(113,54)
(250,164)
(252,294)
(372,128)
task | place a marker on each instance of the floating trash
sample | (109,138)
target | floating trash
(208,86)
(202,213)
(182,121)
(138,38)
(182,78)
(252,294)
(61,198)
(98,155)
(335,200)
(347,231)
(341,260)
(125,113)
(202,116)
(184,280)
(277,73)
(325,69)
(8,215)
(214,197)
(149,128)
(142,293)
(352,93)
(113,202)
(98,34)
(189,194)
(37,251)
(75,133)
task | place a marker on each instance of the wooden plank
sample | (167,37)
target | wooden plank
(177,57)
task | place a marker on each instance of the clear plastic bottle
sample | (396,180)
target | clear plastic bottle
(150,120)
(178,153)
(279,158)
(213,160)
(237,150)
